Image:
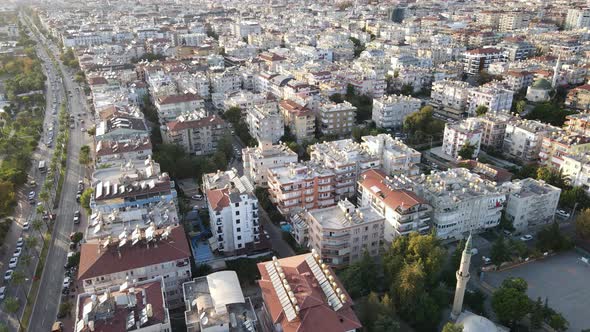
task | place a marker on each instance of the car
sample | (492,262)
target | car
(506,232)
(31,195)
(2,292)
(80,187)
(12,263)
(82,129)
(26,226)
(72,126)
(474,251)
(197,197)
(266,235)
(486,260)
(526,237)
(17,252)
(562,213)
(78,196)
(283,223)
(66,283)
(8,275)
(20,242)
(77,217)
(32,183)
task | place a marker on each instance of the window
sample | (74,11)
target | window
(239,237)
(239,245)
(237,221)
(237,213)
(239,229)
(237,204)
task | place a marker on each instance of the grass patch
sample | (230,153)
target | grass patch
(36,281)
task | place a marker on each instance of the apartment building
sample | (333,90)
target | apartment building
(169,107)
(477,60)
(516,49)
(195,132)
(517,80)
(121,127)
(523,139)
(451,94)
(114,152)
(395,157)
(336,119)
(514,21)
(233,209)
(346,159)
(492,95)
(403,210)
(556,146)
(137,306)
(342,233)
(391,111)
(225,81)
(265,122)
(530,202)
(460,134)
(219,297)
(299,293)
(301,186)
(299,118)
(146,254)
(462,201)
(579,98)
(493,126)
(576,168)
(243,28)
(257,161)
(577,18)
(578,123)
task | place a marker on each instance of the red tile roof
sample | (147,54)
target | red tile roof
(218,198)
(373,179)
(315,313)
(99,80)
(94,263)
(293,107)
(174,99)
(489,50)
(212,120)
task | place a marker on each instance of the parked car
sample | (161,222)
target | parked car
(26,226)
(77,217)
(17,252)
(20,242)
(2,292)
(12,263)
(474,251)
(8,275)
(562,213)
(486,260)
(197,197)
(78,196)
(266,235)
(31,195)
(506,232)
(66,283)
(526,237)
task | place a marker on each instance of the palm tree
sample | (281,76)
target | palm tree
(25,260)
(38,225)
(44,197)
(19,278)
(31,243)
(11,306)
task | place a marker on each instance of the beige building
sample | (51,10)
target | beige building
(337,119)
(258,160)
(197,135)
(299,119)
(342,233)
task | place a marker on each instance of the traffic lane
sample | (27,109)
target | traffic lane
(282,248)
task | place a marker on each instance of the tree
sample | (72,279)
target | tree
(407,89)
(11,306)
(18,279)
(360,277)
(85,199)
(537,314)
(31,244)
(551,238)
(499,253)
(467,151)
(572,196)
(551,176)
(450,327)
(38,225)
(510,305)
(84,156)
(481,110)
(520,106)
(385,323)
(558,322)
(517,283)
(583,224)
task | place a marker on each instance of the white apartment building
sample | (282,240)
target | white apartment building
(576,168)
(395,157)
(460,134)
(337,119)
(142,255)
(530,202)
(196,133)
(404,211)
(258,160)
(493,126)
(233,209)
(265,122)
(492,95)
(342,233)
(243,29)
(514,21)
(474,61)
(191,39)
(577,18)
(226,80)
(523,139)
(463,202)
(391,111)
(171,106)
(347,159)
(451,94)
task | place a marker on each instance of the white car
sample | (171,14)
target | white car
(17,252)
(8,275)
(66,283)
(2,292)
(526,237)
(26,226)
(31,195)
(13,262)
(562,213)
(266,235)
(197,197)
(20,242)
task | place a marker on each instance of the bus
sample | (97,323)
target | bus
(42,167)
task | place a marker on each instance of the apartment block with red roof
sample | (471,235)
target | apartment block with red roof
(147,254)
(195,132)
(302,294)
(171,106)
(299,119)
(404,211)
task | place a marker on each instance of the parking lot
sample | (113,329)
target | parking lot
(563,279)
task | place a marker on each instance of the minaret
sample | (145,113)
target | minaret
(556,72)
(462,279)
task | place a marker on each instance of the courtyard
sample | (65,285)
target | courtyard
(564,279)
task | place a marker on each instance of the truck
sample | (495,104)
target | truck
(42,166)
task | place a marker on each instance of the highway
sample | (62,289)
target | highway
(46,306)
(24,211)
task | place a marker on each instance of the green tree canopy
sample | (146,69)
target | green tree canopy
(583,224)
(510,305)
(467,151)
(481,110)
(450,327)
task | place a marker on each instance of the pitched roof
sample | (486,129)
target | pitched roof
(218,198)
(95,263)
(373,180)
(293,107)
(174,99)
(212,120)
